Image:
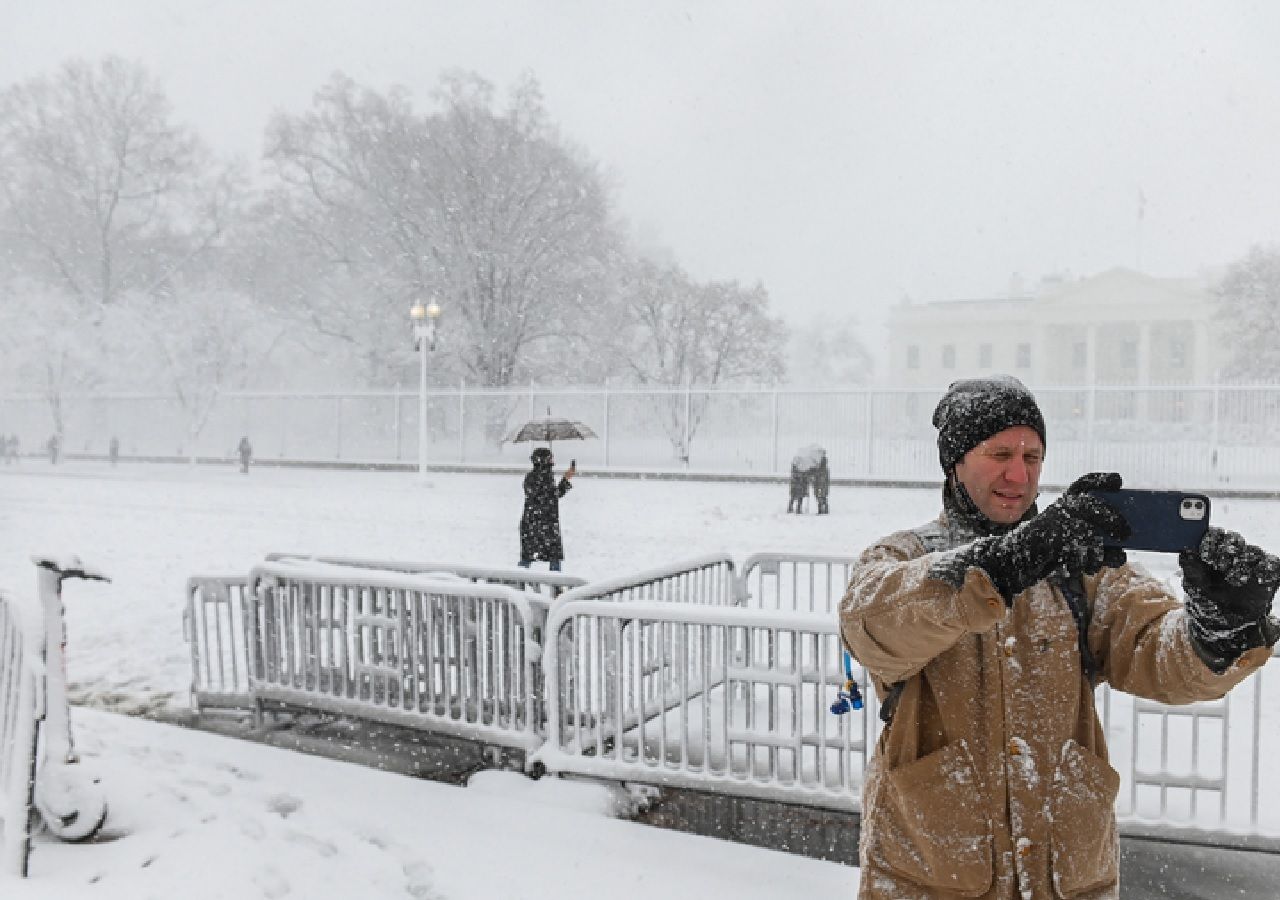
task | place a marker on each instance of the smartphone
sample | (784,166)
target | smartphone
(1162,521)
(573,464)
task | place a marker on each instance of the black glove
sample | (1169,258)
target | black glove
(1229,586)
(1069,533)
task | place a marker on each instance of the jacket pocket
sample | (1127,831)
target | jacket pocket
(1084,845)
(932,826)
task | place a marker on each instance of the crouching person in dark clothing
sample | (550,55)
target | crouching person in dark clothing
(985,633)
(540,521)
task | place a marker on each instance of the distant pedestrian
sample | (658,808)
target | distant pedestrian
(809,467)
(245,450)
(4,449)
(52,447)
(113,450)
(12,448)
(799,486)
(821,478)
(540,521)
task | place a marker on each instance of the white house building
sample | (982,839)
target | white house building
(1116,328)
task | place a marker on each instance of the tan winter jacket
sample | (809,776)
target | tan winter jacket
(992,780)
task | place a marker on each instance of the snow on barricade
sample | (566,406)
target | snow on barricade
(552,583)
(705,580)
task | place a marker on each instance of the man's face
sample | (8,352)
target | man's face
(1002,474)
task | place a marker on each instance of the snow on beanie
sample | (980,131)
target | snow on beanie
(974,409)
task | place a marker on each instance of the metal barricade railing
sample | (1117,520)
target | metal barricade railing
(1199,766)
(708,580)
(796,581)
(22,707)
(435,652)
(215,624)
(723,716)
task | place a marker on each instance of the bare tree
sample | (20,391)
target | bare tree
(199,344)
(827,352)
(48,346)
(487,209)
(100,192)
(1248,314)
(684,334)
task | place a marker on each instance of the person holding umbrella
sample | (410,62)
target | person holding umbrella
(540,521)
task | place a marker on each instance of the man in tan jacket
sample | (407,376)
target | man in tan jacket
(985,633)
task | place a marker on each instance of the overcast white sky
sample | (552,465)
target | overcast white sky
(846,154)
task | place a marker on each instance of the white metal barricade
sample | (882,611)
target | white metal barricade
(725,715)
(216,627)
(796,581)
(22,707)
(214,623)
(428,651)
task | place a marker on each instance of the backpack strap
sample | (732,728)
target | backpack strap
(1072,587)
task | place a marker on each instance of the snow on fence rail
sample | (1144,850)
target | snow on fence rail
(552,584)
(21,710)
(431,651)
(692,675)
(704,580)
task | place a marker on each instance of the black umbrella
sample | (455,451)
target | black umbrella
(551,428)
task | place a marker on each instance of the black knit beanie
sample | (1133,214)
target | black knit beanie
(974,409)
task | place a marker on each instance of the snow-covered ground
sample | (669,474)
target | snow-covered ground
(198,815)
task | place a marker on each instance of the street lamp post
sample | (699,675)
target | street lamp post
(424,320)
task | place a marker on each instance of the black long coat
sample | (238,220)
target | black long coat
(540,522)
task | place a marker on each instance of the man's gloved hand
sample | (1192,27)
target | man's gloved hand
(1229,586)
(1069,533)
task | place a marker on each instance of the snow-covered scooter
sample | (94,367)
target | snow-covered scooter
(69,800)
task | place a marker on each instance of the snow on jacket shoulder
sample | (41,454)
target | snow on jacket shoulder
(992,779)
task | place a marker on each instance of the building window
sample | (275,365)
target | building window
(913,356)
(984,356)
(1079,355)
(1023,358)
(949,356)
